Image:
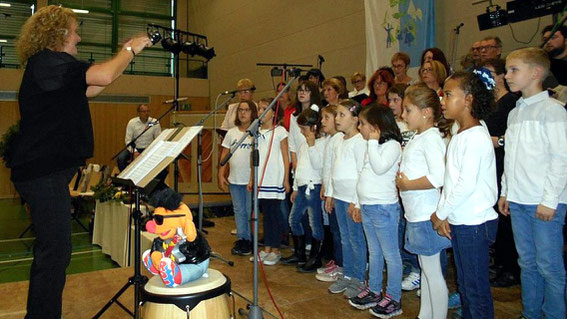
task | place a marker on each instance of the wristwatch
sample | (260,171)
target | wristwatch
(501,141)
(130,49)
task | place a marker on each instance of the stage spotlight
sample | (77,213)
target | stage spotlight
(207,53)
(171,45)
(190,48)
(154,35)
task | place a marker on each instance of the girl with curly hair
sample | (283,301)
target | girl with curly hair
(465,212)
(55,138)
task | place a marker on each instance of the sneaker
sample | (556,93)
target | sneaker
(340,285)
(242,247)
(331,276)
(330,264)
(454,300)
(262,254)
(354,289)
(411,282)
(386,308)
(271,259)
(366,299)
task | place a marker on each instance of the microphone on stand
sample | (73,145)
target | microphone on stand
(237,90)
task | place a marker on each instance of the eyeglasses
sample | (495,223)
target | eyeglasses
(380,83)
(475,49)
(426,70)
(159,218)
(486,47)
(244,110)
(357,81)
(245,91)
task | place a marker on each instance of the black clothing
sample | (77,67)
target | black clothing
(56,130)
(505,254)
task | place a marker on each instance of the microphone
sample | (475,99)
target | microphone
(154,123)
(177,124)
(237,90)
(295,72)
(175,100)
(321,58)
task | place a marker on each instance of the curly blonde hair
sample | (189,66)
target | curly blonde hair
(47,28)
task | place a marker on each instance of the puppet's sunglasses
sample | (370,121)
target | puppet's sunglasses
(159,218)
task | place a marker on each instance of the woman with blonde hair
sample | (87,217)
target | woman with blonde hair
(55,138)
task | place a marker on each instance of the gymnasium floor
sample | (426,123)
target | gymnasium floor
(93,279)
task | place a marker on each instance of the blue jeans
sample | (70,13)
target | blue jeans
(242,205)
(335,231)
(540,249)
(470,250)
(312,204)
(381,228)
(352,242)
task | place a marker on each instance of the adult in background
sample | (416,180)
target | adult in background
(134,128)
(400,64)
(505,254)
(358,81)
(378,85)
(437,55)
(475,52)
(55,138)
(317,77)
(432,73)
(490,48)
(245,92)
(557,52)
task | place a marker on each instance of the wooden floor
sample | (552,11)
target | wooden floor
(298,295)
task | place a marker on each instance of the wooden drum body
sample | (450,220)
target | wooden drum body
(206,297)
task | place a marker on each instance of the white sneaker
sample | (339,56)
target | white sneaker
(271,259)
(411,282)
(263,255)
(330,264)
(331,276)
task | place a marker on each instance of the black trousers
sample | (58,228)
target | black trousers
(50,204)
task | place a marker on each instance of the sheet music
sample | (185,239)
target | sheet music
(159,150)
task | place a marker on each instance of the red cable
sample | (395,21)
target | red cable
(264,278)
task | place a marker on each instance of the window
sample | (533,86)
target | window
(13,14)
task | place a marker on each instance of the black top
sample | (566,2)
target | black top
(497,122)
(55,131)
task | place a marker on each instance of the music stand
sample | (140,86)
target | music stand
(140,175)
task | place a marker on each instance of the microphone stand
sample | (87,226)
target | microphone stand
(457,31)
(254,131)
(200,156)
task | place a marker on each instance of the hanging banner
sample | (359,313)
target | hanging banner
(397,25)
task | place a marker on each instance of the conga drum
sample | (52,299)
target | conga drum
(206,297)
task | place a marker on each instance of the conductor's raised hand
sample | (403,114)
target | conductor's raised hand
(139,43)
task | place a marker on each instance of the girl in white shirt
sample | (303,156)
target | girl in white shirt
(306,190)
(378,199)
(345,169)
(273,181)
(334,267)
(420,180)
(465,213)
(239,175)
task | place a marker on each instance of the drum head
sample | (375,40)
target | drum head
(213,280)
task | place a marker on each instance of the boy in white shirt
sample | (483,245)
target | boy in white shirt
(533,184)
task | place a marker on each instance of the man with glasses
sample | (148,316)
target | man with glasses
(475,52)
(134,128)
(245,92)
(490,48)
